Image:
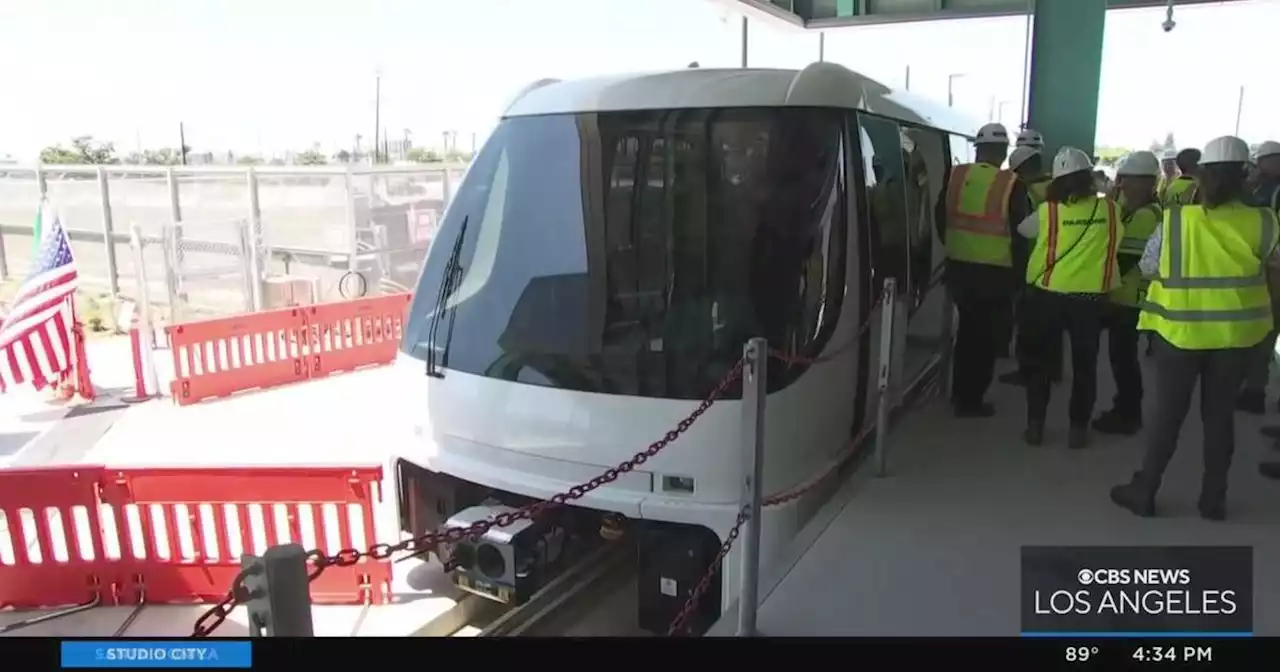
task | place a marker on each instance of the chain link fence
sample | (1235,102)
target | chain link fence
(313,234)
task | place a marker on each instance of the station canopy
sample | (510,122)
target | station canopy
(822,14)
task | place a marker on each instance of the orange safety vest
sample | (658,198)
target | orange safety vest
(977,214)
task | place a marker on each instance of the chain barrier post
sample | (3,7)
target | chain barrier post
(277,592)
(754,389)
(888,310)
(948,341)
(146,328)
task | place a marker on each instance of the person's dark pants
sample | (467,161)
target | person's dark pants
(1047,315)
(1259,371)
(1022,351)
(974,358)
(1004,333)
(1121,323)
(1220,374)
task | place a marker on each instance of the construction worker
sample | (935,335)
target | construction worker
(979,207)
(1208,302)
(1027,163)
(1265,192)
(1168,170)
(1071,270)
(1181,189)
(1136,178)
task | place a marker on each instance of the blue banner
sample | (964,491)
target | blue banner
(206,654)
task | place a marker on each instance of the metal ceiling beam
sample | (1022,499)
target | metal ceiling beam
(866,14)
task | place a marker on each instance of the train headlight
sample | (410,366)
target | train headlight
(507,564)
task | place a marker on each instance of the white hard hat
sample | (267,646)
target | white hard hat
(992,134)
(1169,155)
(1070,160)
(1030,138)
(1139,163)
(1226,149)
(1020,156)
(1268,148)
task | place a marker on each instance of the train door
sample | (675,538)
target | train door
(884,209)
(925,156)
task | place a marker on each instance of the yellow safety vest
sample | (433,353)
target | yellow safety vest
(1211,289)
(1039,191)
(1138,227)
(1075,251)
(977,214)
(1178,192)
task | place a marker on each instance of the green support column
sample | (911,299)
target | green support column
(1066,70)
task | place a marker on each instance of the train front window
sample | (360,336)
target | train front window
(635,252)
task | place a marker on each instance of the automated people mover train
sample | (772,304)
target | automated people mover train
(611,249)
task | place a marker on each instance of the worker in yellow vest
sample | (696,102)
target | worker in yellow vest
(980,205)
(1168,170)
(1071,270)
(1037,182)
(1027,163)
(1210,306)
(1141,215)
(1181,189)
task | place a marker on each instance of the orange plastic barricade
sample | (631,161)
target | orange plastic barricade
(349,335)
(51,545)
(183,530)
(222,356)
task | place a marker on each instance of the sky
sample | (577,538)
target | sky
(265,76)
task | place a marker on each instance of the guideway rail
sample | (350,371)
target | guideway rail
(752,367)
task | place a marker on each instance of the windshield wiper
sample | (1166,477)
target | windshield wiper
(452,274)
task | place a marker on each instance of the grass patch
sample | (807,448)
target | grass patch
(96,309)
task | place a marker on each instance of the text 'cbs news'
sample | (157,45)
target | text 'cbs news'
(1139,591)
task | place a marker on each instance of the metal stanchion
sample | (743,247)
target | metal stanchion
(277,592)
(888,310)
(754,389)
(146,332)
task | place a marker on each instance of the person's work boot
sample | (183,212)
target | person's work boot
(979,410)
(1116,422)
(1215,510)
(1270,470)
(1034,434)
(1253,402)
(1135,497)
(1078,437)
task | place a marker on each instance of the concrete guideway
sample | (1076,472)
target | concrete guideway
(933,550)
(342,420)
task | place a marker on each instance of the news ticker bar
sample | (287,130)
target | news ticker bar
(1042,651)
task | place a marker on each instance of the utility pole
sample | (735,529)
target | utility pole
(906,78)
(1239,110)
(951,81)
(473,143)
(182,141)
(377,115)
(745,42)
(822,47)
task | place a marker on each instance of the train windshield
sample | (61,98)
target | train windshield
(634,253)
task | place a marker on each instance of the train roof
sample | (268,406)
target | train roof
(819,85)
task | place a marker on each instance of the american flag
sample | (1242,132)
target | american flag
(35,336)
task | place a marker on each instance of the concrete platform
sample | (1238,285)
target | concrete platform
(933,550)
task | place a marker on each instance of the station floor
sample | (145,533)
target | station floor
(933,549)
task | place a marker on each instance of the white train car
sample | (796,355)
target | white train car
(613,246)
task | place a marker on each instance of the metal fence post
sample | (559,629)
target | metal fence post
(42,181)
(173,253)
(256,267)
(146,331)
(278,594)
(888,311)
(108,232)
(754,390)
(446,190)
(348,181)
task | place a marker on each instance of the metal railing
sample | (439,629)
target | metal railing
(317,222)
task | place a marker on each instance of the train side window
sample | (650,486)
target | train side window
(884,197)
(926,163)
(961,150)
